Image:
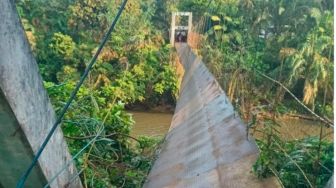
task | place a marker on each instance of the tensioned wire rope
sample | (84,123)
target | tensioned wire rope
(91,142)
(94,139)
(199,28)
(322,119)
(24,177)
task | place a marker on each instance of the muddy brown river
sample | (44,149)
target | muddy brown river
(157,124)
(150,123)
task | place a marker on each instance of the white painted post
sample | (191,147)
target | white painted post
(172,30)
(189,24)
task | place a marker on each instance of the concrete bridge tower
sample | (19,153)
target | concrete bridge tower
(26,114)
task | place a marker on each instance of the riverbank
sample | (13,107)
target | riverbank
(160,108)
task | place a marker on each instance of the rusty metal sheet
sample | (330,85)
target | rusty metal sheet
(206,145)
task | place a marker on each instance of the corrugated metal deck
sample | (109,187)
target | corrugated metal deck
(206,145)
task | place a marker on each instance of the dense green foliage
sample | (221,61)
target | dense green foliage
(304,162)
(292,42)
(134,67)
(301,151)
(289,40)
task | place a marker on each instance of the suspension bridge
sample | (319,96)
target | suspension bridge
(207,145)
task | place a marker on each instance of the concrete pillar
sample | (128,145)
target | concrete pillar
(15,152)
(330,183)
(189,24)
(26,114)
(172,30)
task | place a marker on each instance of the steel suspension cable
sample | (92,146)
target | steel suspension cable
(323,119)
(94,139)
(24,177)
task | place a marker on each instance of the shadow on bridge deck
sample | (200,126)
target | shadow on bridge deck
(206,145)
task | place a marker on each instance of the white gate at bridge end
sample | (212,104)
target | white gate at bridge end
(180,33)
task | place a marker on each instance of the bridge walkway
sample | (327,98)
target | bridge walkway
(207,144)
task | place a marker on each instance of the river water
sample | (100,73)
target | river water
(157,124)
(294,128)
(150,123)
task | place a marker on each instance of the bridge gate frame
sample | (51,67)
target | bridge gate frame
(174,27)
